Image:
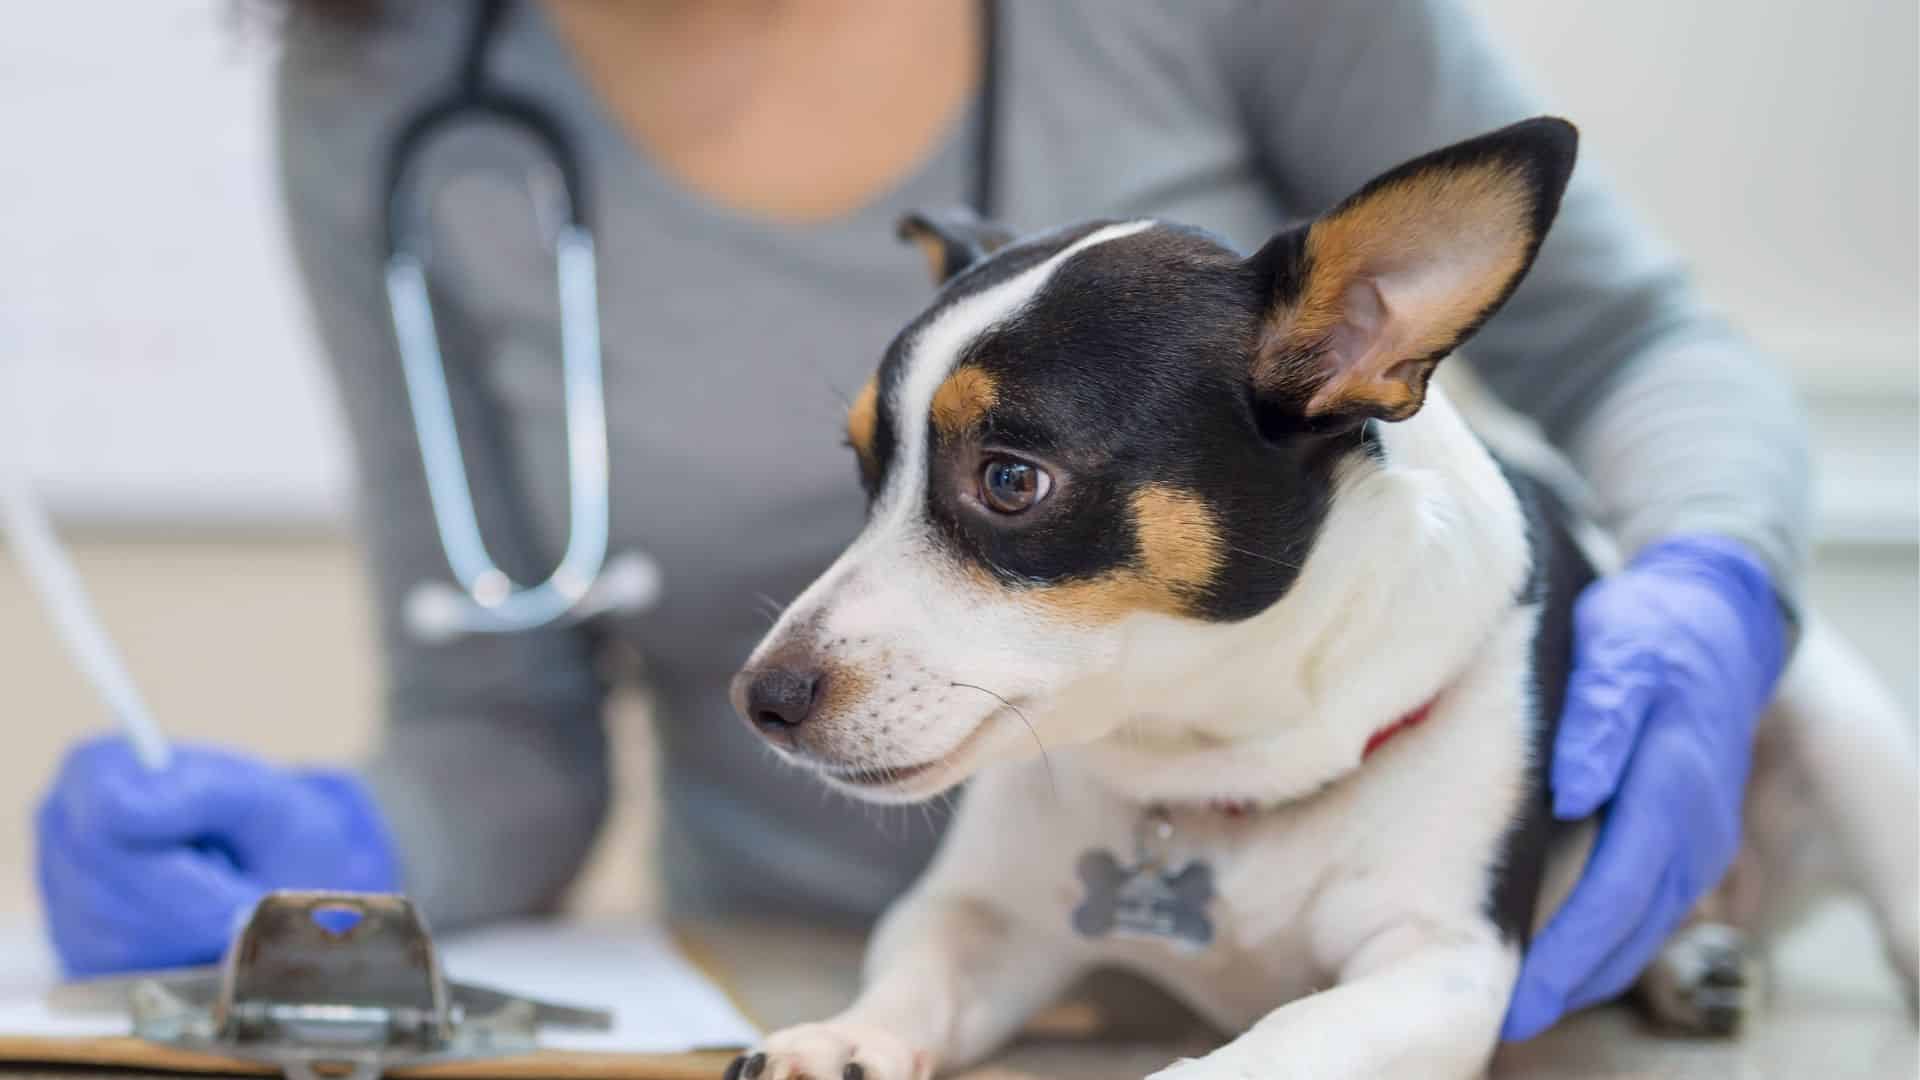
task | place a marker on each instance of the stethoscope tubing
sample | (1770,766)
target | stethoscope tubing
(493,601)
(510,607)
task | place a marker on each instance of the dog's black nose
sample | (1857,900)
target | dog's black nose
(778,699)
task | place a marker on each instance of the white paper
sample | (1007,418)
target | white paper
(661,1002)
(25,976)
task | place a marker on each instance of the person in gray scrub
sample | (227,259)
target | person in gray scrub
(745,164)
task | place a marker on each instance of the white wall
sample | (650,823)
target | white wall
(1776,144)
(156,364)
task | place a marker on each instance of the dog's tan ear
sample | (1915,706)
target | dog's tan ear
(953,239)
(1366,301)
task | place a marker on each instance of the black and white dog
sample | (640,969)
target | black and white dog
(1292,638)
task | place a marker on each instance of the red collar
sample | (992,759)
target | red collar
(1379,738)
(1243,807)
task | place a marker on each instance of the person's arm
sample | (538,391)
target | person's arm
(1689,438)
(491,773)
(1677,424)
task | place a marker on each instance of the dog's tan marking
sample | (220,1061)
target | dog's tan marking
(1459,236)
(863,418)
(845,687)
(962,401)
(1181,550)
(1179,539)
(932,248)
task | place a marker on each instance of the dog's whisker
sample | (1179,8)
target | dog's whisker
(769,607)
(1264,558)
(876,815)
(833,387)
(1031,730)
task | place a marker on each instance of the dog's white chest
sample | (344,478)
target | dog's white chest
(1231,949)
(1293,892)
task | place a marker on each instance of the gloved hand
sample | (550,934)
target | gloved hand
(145,870)
(1674,658)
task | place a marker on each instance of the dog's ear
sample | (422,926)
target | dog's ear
(953,239)
(1365,302)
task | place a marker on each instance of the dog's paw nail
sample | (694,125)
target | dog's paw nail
(1705,981)
(838,1050)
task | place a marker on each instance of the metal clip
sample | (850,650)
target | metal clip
(342,986)
(1152,838)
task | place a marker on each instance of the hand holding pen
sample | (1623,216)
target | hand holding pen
(147,853)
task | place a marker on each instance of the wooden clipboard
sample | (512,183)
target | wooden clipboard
(126,1052)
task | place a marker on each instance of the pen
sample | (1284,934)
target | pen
(52,575)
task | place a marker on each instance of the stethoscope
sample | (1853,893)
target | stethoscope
(585,583)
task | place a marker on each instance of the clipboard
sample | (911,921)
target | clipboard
(126,1052)
(283,973)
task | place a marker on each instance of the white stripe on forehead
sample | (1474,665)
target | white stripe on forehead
(931,355)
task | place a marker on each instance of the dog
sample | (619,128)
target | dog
(1249,649)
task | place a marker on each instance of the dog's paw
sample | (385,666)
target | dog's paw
(832,1051)
(1706,981)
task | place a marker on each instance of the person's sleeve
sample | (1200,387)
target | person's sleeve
(1676,423)
(491,768)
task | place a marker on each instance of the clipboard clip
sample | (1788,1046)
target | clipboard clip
(340,986)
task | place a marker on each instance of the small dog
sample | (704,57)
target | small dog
(1251,650)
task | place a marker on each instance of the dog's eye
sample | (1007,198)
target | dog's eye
(1011,486)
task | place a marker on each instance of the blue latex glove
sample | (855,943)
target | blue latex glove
(146,870)
(1674,658)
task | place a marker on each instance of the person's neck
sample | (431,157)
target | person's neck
(791,109)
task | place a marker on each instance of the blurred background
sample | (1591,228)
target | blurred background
(157,368)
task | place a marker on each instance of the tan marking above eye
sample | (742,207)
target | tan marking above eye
(1181,550)
(863,417)
(962,401)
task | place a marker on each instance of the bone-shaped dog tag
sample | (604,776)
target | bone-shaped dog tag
(1144,900)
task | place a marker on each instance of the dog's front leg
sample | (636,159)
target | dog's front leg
(1413,1002)
(949,978)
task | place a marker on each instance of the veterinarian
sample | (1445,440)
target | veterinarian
(744,165)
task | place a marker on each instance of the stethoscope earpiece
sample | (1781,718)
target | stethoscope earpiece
(436,612)
(629,584)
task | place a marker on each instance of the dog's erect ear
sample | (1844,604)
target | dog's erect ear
(1366,301)
(953,239)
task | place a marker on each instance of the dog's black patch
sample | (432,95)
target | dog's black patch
(1130,369)
(1560,572)
(973,279)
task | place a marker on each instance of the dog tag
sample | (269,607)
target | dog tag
(1145,899)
